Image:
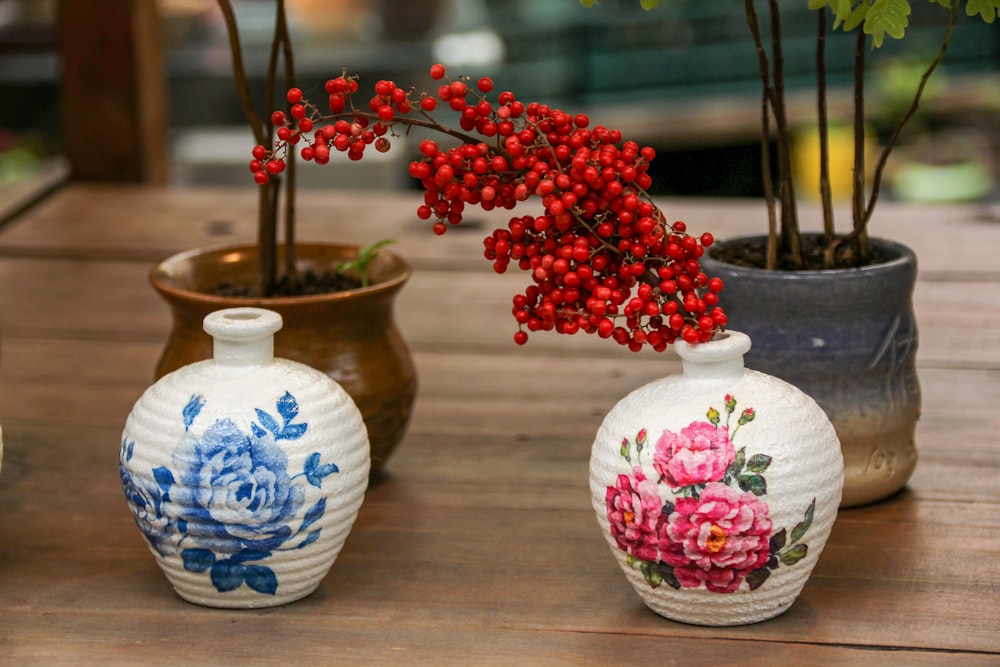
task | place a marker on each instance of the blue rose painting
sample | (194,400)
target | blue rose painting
(229,501)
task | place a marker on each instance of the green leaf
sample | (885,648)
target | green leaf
(887,17)
(988,10)
(739,460)
(659,573)
(843,8)
(758,463)
(650,574)
(667,573)
(758,577)
(800,528)
(794,555)
(845,15)
(854,17)
(777,541)
(755,484)
(365,257)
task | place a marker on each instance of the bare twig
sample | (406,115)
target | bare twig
(283,36)
(790,242)
(826,196)
(239,73)
(765,136)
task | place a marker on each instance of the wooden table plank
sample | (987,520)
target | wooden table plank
(93,298)
(401,563)
(480,546)
(150,223)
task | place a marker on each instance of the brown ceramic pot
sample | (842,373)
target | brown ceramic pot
(351,336)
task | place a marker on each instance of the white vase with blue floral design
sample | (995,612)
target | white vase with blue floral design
(245,473)
(716,488)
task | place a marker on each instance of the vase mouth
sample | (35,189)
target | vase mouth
(725,346)
(196,273)
(897,257)
(239,324)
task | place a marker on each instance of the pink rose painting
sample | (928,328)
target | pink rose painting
(703,521)
(634,510)
(699,454)
(716,539)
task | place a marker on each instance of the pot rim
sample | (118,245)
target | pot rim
(901,256)
(163,282)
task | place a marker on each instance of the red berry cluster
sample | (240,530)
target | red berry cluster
(602,257)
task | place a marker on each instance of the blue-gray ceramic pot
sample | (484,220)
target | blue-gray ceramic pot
(848,338)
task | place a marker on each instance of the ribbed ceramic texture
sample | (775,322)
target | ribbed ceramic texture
(803,463)
(157,439)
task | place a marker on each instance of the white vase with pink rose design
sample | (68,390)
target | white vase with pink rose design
(716,488)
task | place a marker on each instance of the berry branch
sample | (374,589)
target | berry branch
(602,257)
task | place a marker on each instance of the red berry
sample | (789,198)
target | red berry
(437,72)
(338,85)
(294,95)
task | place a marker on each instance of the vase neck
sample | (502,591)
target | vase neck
(720,359)
(242,336)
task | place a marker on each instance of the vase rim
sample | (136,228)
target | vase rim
(165,282)
(725,346)
(242,323)
(900,254)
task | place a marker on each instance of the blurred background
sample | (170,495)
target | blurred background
(682,78)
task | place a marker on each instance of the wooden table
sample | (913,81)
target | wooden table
(481,546)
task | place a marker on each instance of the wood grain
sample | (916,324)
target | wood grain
(480,546)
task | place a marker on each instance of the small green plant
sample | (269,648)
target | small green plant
(359,265)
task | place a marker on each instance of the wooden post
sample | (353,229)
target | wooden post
(113,90)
